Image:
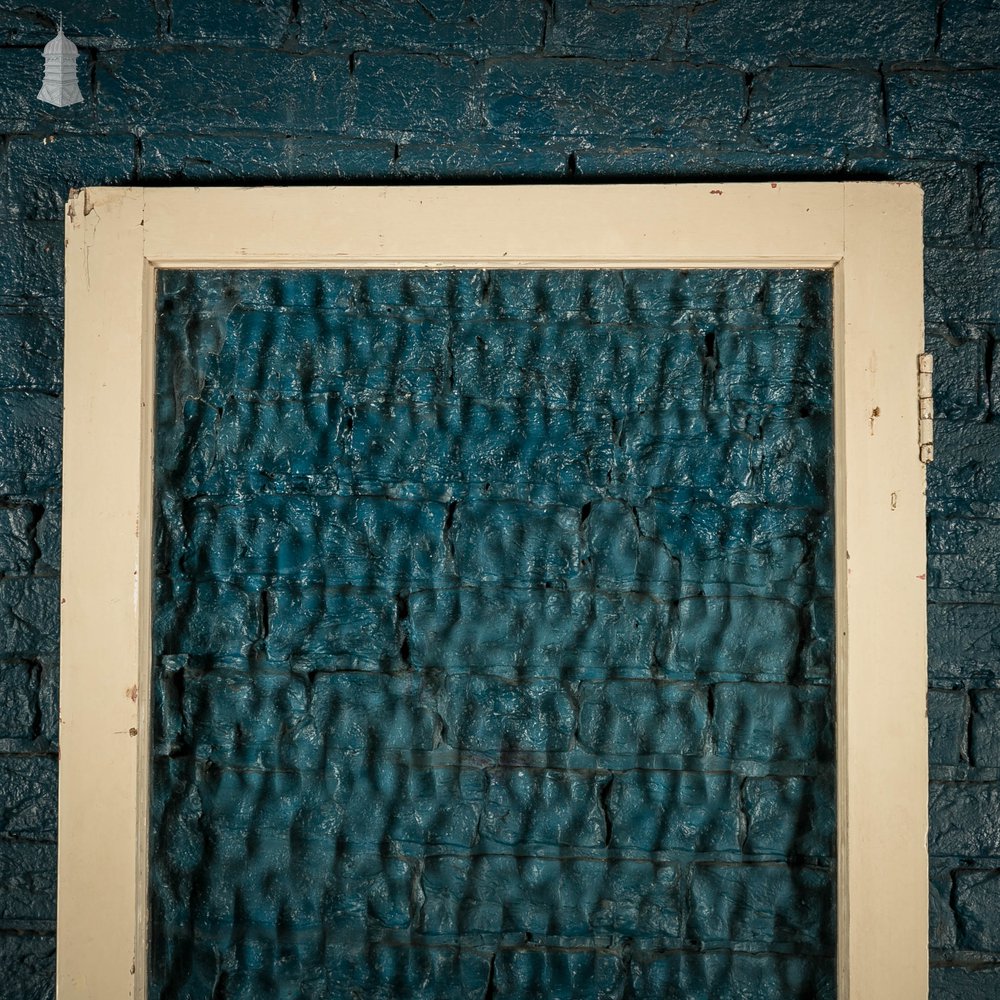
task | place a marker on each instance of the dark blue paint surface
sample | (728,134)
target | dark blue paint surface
(280,92)
(493,635)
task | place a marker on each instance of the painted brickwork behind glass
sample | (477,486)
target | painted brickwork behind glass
(493,635)
(452,91)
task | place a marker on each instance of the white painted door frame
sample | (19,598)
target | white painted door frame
(868,234)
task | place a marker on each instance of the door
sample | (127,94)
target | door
(498,619)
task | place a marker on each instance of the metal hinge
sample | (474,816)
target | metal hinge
(925,404)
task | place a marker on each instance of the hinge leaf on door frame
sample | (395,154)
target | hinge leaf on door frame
(925,405)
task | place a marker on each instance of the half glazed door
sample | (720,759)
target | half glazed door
(526,584)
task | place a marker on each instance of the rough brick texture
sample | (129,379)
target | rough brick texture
(203,91)
(479,652)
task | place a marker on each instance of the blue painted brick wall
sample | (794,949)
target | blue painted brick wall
(207,91)
(492,628)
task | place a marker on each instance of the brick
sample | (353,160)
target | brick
(226,800)
(816,108)
(773,722)
(237,719)
(490,716)
(583,28)
(517,971)
(965,820)
(262,158)
(732,639)
(476,159)
(968,33)
(265,22)
(488,28)
(989,199)
(368,358)
(557,99)
(963,559)
(756,34)
(948,719)
(497,542)
(653,810)
(48,704)
(498,358)
(211,618)
(355,888)
(665,447)
(961,285)
(776,551)
(28,798)
(387,886)
(651,159)
(957,983)
(977,907)
(30,438)
(296,444)
(942,930)
(423,969)
(331,540)
(19,701)
(984,739)
(964,643)
(27,885)
(18,551)
(363,712)
(559,633)
(817,655)
(361,802)
(414,94)
(729,975)
(960,392)
(501,312)
(563,898)
(798,360)
(88,24)
(619,555)
(29,960)
(167,698)
(944,114)
(790,817)
(798,34)
(436,806)
(29,616)
(31,256)
(551,809)
(41,171)
(30,350)
(762,905)
(964,478)
(643,717)
(501,301)
(219,89)
(48,531)
(346,628)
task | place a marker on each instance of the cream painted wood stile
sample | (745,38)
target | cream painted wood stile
(868,234)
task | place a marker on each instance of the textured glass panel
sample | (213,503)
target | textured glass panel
(493,637)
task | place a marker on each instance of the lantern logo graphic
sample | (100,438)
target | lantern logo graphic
(59,86)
